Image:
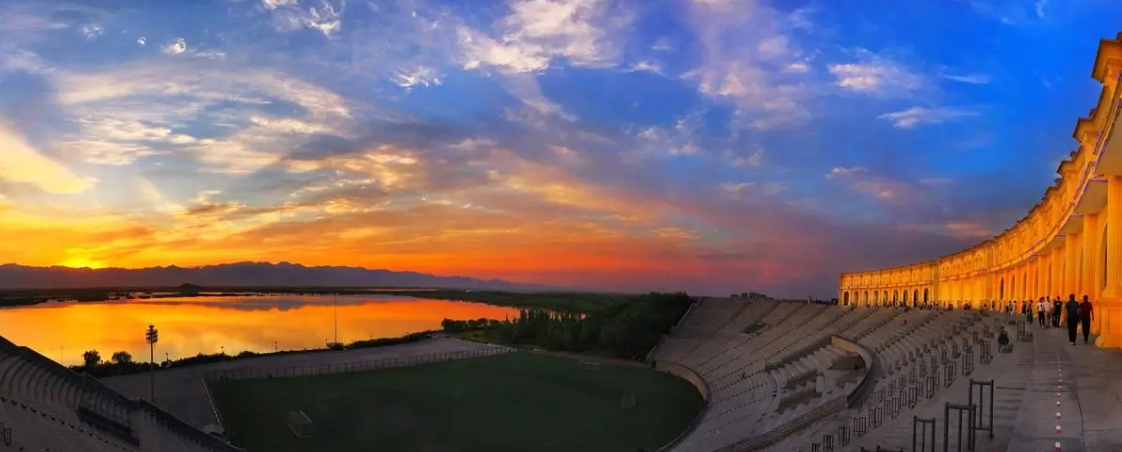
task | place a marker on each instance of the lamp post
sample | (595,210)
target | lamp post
(152,336)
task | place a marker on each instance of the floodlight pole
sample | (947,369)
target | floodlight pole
(151,337)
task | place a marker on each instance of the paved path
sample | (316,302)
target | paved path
(1086,382)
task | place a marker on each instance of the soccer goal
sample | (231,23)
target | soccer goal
(300,424)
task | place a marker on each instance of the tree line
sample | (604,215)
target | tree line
(625,329)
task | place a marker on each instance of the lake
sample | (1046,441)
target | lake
(188,326)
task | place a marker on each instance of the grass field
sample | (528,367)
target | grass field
(515,402)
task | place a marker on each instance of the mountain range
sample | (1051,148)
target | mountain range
(242,274)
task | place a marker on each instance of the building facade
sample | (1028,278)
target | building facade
(1069,243)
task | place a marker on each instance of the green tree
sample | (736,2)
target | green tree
(121,357)
(92,358)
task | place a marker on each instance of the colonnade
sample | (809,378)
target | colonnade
(1069,243)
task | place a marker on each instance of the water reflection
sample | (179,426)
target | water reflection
(188,326)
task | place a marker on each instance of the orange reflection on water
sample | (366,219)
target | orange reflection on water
(188,326)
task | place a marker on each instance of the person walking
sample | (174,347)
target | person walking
(1057,309)
(1028,308)
(1072,308)
(1041,309)
(1086,315)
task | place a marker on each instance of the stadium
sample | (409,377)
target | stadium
(948,370)
(733,375)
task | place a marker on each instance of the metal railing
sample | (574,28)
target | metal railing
(357,366)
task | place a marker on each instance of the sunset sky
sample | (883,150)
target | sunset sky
(706,145)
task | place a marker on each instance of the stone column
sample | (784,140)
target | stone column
(1109,309)
(1113,289)
(1091,262)
(1070,286)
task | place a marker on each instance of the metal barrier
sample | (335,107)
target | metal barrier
(954,350)
(815,447)
(360,366)
(893,407)
(876,416)
(948,374)
(913,395)
(967,410)
(828,442)
(968,362)
(984,419)
(843,435)
(860,425)
(987,352)
(931,384)
(923,434)
(5,435)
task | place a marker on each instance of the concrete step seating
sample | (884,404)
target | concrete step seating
(55,407)
(958,326)
(37,429)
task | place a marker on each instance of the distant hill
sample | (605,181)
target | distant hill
(243,274)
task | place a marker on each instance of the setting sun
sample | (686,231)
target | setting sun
(82,262)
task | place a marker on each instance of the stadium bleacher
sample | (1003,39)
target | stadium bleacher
(46,407)
(775,368)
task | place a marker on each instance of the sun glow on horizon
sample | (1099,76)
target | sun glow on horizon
(83,262)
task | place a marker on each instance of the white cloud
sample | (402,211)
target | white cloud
(175,46)
(646,66)
(748,58)
(739,189)
(273,4)
(841,171)
(754,159)
(914,116)
(137,111)
(973,79)
(142,41)
(797,67)
(662,45)
(876,75)
(288,16)
(92,31)
(535,32)
(1039,8)
(418,76)
(22,163)
(20,60)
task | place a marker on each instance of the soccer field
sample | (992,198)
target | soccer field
(515,402)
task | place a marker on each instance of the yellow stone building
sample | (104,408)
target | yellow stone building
(1069,243)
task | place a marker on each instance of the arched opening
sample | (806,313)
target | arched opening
(915,297)
(905,296)
(1024,284)
(895,296)
(884,297)
(925,295)
(876,297)
(865,299)
(845,298)
(1001,290)
(1013,287)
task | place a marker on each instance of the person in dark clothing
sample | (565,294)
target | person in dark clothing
(1057,309)
(1086,315)
(1072,308)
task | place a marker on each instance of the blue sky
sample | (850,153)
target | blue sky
(708,145)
